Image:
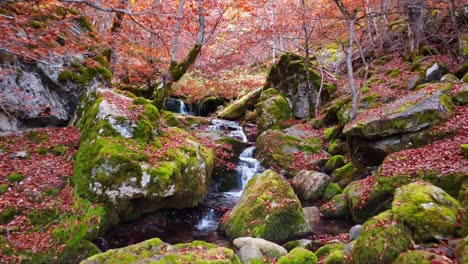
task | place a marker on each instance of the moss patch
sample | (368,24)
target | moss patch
(298,256)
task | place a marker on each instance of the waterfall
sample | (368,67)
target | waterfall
(247,167)
(208,221)
(182,108)
(233,129)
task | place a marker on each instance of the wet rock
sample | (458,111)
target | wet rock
(309,185)
(428,210)
(269,249)
(354,232)
(250,254)
(156,251)
(267,202)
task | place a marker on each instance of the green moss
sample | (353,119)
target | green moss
(334,162)
(337,207)
(42,150)
(381,240)
(464,150)
(416,257)
(37,137)
(344,175)
(36,24)
(298,256)
(84,22)
(58,150)
(65,75)
(394,73)
(3,188)
(105,73)
(335,147)
(257,216)
(427,209)
(330,191)
(273,109)
(336,257)
(51,192)
(329,248)
(15,177)
(7,214)
(41,217)
(331,132)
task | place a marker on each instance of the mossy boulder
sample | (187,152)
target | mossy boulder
(334,163)
(414,112)
(289,76)
(421,257)
(156,251)
(428,210)
(239,107)
(125,164)
(298,256)
(267,202)
(381,240)
(309,185)
(332,253)
(281,151)
(330,191)
(345,175)
(337,207)
(272,110)
(460,97)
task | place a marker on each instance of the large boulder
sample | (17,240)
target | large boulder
(239,107)
(429,211)
(282,150)
(289,76)
(402,124)
(267,202)
(272,110)
(125,164)
(381,240)
(156,251)
(309,185)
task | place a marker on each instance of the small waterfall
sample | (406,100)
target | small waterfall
(207,222)
(233,129)
(248,167)
(182,108)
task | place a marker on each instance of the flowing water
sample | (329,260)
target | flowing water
(201,223)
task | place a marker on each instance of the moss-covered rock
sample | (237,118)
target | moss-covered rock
(344,175)
(421,257)
(289,76)
(411,113)
(463,200)
(461,250)
(15,177)
(267,202)
(118,161)
(337,207)
(429,211)
(298,256)
(272,110)
(156,251)
(336,147)
(3,188)
(381,240)
(334,163)
(332,253)
(330,191)
(239,107)
(280,150)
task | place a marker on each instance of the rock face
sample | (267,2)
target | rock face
(396,126)
(289,76)
(123,163)
(267,202)
(156,251)
(273,109)
(428,210)
(381,240)
(32,96)
(284,151)
(309,185)
(238,109)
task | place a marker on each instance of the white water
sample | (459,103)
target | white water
(248,167)
(207,222)
(182,108)
(233,129)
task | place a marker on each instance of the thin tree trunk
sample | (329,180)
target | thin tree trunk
(349,65)
(451,5)
(175,45)
(307,62)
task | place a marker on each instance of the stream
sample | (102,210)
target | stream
(201,223)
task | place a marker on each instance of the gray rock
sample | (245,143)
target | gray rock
(354,232)
(309,185)
(312,214)
(435,72)
(348,249)
(248,254)
(268,248)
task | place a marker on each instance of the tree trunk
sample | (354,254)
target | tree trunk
(415,15)
(175,46)
(349,65)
